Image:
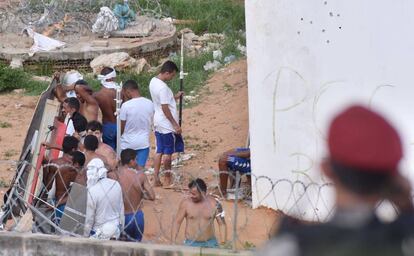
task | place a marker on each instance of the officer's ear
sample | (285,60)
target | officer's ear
(327,169)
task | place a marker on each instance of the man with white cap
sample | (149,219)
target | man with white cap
(106,97)
(105,205)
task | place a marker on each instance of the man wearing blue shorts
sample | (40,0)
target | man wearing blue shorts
(167,130)
(235,160)
(135,188)
(136,119)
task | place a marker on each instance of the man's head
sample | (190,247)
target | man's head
(95,128)
(168,71)
(78,159)
(91,143)
(198,189)
(365,151)
(69,144)
(71,105)
(130,90)
(106,71)
(84,85)
(128,158)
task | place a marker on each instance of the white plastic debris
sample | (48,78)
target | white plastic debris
(105,23)
(217,55)
(229,59)
(212,65)
(242,49)
(41,42)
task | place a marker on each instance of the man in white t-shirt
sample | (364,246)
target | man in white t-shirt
(136,120)
(167,129)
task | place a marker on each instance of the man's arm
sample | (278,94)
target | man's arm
(220,218)
(123,123)
(178,220)
(85,95)
(167,113)
(147,189)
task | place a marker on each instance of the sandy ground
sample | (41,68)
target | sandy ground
(218,123)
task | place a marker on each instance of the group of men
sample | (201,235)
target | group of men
(116,187)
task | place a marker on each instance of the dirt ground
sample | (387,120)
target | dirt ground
(218,123)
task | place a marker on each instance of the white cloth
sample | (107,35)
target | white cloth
(106,22)
(70,78)
(42,43)
(161,94)
(138,114)
(104,209)
(95,170)
(108,84)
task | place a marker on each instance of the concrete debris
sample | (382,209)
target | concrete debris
(142,66)
(229,59)
(217,55)
(195,45)
(215,65)
(118,60)
(100,43)
(191,98)
(16,63)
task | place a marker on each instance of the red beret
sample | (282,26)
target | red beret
(362,139)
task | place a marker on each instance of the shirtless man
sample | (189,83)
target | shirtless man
(106,99)
(200,210)
(95,128)
(89,106)
(135,187)
(91,144)
(61,172)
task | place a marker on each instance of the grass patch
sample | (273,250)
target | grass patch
(5,124)
(11,79)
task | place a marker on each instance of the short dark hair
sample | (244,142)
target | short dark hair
(127,155)
(168,67)
(79,122)
(91,142)
(106,70)
(69,144)
(199,184)
(364,182)
(73,103)
(78,158)
(81,82)
(130,85)
(94,126)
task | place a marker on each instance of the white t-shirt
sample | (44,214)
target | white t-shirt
(161,94)
(138,114)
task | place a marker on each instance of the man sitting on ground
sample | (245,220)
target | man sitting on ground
(200,210)
(364,156)
(95,128)
(235,160)
(105,206)
(136,116)
(135,187)
(106,97)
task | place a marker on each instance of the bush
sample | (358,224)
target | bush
(11,79)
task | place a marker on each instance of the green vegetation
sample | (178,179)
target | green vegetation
(11,79)
(5,124)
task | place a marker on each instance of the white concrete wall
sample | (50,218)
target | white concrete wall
(308,59)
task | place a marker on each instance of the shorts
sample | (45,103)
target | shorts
(109,134)
(211,243)
(134,226)
(169,143)
(239,164)
(142,156)
(59,213)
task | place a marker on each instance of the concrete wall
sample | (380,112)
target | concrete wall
(308,59)
(36,244)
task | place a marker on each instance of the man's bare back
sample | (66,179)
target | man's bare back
(109,154)
(89,105)
(133,183)
(106,100)
(63,173)
(81,177)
